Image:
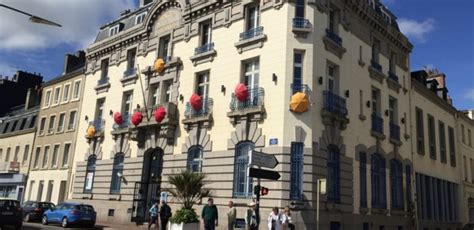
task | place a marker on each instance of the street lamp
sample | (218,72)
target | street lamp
(321,188)
(33,18)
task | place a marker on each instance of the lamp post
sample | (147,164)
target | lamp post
(321,188)
(33,18)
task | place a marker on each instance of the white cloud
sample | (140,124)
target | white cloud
(469,94)
(417,30)
(80,20)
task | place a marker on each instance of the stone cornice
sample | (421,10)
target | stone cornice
(422,90)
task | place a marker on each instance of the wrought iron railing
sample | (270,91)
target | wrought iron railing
(333,36)
(129,72)
(255,99)
(394,131)
(334,103)
(251,33)
(103,81)
(98,125)
(301,23)
(377,123)
(125,122)
(204,48)
(302,88)
(376,65)
(393,76)
(205,110)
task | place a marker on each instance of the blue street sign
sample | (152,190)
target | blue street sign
(273,141)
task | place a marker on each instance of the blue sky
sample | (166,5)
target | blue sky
(442,32)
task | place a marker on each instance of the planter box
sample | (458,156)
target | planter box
(181,226)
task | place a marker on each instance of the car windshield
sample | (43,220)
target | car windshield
(9,203)
(46,205)
(85,208)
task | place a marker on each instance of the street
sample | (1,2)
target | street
(37,226)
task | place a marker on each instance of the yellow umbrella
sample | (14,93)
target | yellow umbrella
(159,65)
(90,132)
(299,102)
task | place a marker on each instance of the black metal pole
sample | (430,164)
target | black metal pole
(257,207)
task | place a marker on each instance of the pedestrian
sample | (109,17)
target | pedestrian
(274,220)
(286,221)
(251,217)
(154,216)
(165,214)
(209,215)
(231,216)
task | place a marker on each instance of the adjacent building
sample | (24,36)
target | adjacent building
(465,127)
(53,151)
(16,89)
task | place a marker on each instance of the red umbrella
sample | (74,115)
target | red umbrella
(118,118)
(196,102)
(137,118)
(160,114)
(241,92)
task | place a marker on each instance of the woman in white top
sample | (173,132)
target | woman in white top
(274,220)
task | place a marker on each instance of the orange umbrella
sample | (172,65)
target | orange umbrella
(159,65)
(299,102)
(90,132)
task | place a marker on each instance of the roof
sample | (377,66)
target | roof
(74,73)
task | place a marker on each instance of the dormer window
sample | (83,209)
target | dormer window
(114,30)
(371,3)
(140,18)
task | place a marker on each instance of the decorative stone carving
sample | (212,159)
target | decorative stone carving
(246,130)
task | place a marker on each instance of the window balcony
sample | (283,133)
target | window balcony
(333,43)
(254,105)
(129,72)
(204,53)
(395,133)
(392,76)
(251,33)
(377,124)
(334,111)
(167,126)
(130,76)
(301,26)
(302,88)
(205,110)
(103,81)
(375,71)
(334,36)
(392,82)
(102,85)
(98,125)
(50,131)
(251,39)
(376,65)
(126,118)
(204,48)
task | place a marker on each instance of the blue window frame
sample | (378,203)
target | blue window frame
(90,171)
(396,182)
(296,191)
(408,183)
(297,68)
(363,179)
(242,183)
(333,164)
(194,163)
(117,171)
(379,195)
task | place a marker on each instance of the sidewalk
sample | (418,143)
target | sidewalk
(112,226)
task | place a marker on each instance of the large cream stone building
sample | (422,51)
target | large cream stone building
(358,131)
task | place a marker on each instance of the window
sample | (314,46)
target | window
(333,181)
(131,59)
(52,120)
(62,117)
(378,182)
(296,186)
(127,104)
(464,161)
(396,182)
(168,91)
(299,9)
(242,183)
(442,142)
(202,86)
(392,110)
(251,74)
(206,31)
(32,122)
(45,157)
(49,193)
(432,136)
(77,89)
(47,99)
(90,171)
(363,179)
(30,190)
(392,63)
(333,21)
(72,120)
(114,30)
(452,148)
(15,155)
(54,159)
(375,50)
(67,148)
(469,138)
(252,19)
(7,156)
(117,171)
(164,48)
(195,156)
(26,153)
(57,95)
(37,155)
(155,94)
(99,110)
(408,183)
(23,123)
(39,195)
(67,88)
(140,18)
(14,126)
(376,102)
(462,135)
(420,134)
(104,67)
(297,70)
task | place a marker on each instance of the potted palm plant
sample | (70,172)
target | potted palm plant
(188,189)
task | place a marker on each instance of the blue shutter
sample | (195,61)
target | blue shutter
(296,190)
(333,181)
(363,179)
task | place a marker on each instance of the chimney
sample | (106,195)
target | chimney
(72,61)
(31,99)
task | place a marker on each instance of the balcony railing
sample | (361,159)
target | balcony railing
(394,131)
(302,88)
(205,110)
(129,72)
(12,166)
(251,33)
(255,99)
(204,48)
(393,76)
(50,130)
(125,122)
(98,125)
(103,81)
(301,23)
(70,126)
(333,36)
(377,123)
(334,103)
(376,65)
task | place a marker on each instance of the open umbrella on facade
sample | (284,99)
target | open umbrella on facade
(159,65)
(160,114)
(299,102)
(118,119)
(137,118)
(90,133)
(196,102)
(241,92)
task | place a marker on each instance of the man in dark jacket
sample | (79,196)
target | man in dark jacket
(209,215)
(165,214)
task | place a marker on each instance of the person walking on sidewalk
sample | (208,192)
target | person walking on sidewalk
(209,215)
(154,216)
(274,219)
(165,214)
(251,218)
(231,216)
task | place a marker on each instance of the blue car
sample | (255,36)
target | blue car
(68,214)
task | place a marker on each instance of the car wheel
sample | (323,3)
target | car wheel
(44,221)
(64,223)
(26,218)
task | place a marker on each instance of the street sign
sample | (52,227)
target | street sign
(263,159)
(264,174)
(273,141)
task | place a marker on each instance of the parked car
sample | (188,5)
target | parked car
(68,213)
(10,213)
(33,210)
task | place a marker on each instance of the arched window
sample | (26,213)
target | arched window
(379,196)
(90,171)
(117,173)
(333,164)
(242,183)
(195,159)
(396,183)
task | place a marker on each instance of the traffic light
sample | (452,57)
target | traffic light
(264,191)
(256,190)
